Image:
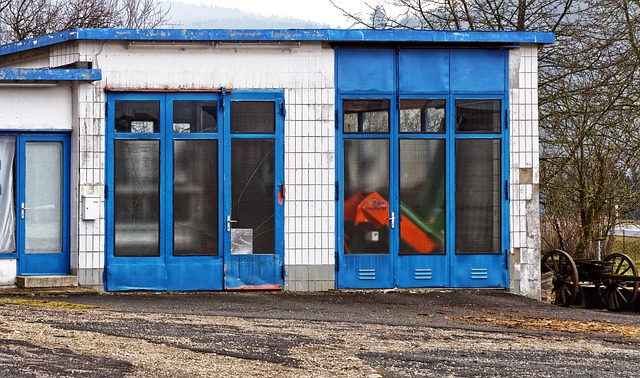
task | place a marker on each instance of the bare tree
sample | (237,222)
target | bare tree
(21,19)
(589,99)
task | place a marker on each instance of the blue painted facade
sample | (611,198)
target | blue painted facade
(380,77)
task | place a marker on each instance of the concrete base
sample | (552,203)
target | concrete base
(26,282)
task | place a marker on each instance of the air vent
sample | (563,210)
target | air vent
(367,274)
(479,274)
(422,274)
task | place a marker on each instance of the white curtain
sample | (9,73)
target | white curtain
(7,212)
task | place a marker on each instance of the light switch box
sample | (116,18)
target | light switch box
(90,207)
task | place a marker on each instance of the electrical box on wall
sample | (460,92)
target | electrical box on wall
(90,207)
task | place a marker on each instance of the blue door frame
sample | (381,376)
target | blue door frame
(449,75)
(34,260)
(212,271)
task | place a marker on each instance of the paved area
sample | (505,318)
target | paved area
(432,333)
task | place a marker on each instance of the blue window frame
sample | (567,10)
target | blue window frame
(38,213)
(170,174)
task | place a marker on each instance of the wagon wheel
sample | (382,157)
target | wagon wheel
(619,292)
(565,276)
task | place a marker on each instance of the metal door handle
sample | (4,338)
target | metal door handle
(392,220)
(22,209)
(229,221)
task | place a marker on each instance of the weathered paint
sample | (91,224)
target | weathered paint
(49,74)
(256,287)
(328,35)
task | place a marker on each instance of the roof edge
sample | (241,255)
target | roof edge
(49,74)
(329,35)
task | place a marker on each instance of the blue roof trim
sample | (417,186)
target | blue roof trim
(329,35)
(49,74)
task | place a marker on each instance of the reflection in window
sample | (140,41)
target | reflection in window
(365,116)
(422,116)
(195,117)
(422,196)
(137,117)
(366,193)
(478,116)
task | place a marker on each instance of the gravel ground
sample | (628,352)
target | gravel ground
(348,334)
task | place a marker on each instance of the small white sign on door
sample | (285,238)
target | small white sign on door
(241,241)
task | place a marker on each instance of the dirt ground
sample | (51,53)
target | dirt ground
(462,333)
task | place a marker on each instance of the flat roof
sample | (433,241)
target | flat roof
(272,35)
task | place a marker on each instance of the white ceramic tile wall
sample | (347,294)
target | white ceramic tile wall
(306,75)
(88,159)
(524,189)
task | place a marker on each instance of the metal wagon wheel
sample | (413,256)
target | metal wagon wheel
(618,290)
(565,276)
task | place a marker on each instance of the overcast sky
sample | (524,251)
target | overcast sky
(321,11)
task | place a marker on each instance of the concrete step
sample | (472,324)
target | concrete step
(27,282)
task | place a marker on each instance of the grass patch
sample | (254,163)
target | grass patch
(45,303)
(628,245)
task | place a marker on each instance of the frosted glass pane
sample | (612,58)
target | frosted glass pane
(43,197)
(137,197)
(7,207)
(195,197)
(252,191)
(478,196)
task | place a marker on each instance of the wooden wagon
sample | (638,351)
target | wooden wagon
(615,278)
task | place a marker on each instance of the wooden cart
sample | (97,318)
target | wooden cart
(615,278)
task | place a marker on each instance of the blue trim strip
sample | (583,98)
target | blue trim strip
(329,35)
(49,74)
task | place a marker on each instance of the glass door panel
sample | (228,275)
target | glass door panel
(252,189)
(42,208)
(137,197)
(195,198)
(366,193)
(7,195)
(422,196)
(478,196)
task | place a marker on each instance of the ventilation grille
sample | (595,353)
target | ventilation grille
(479,274)
(422,274)
(367,274)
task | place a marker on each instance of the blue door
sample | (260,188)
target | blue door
(34,196)
(170,192)
(392,197)
(254,191)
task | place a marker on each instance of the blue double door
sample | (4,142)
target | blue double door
(422,192)
(195,191)
(34,202)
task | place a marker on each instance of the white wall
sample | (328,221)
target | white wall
(8,271)
(525,179)
(305,73)
(35,107)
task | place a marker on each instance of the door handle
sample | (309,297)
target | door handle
(22,210)
(229,221)
(392,220)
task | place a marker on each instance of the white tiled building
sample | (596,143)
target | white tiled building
(271,159)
